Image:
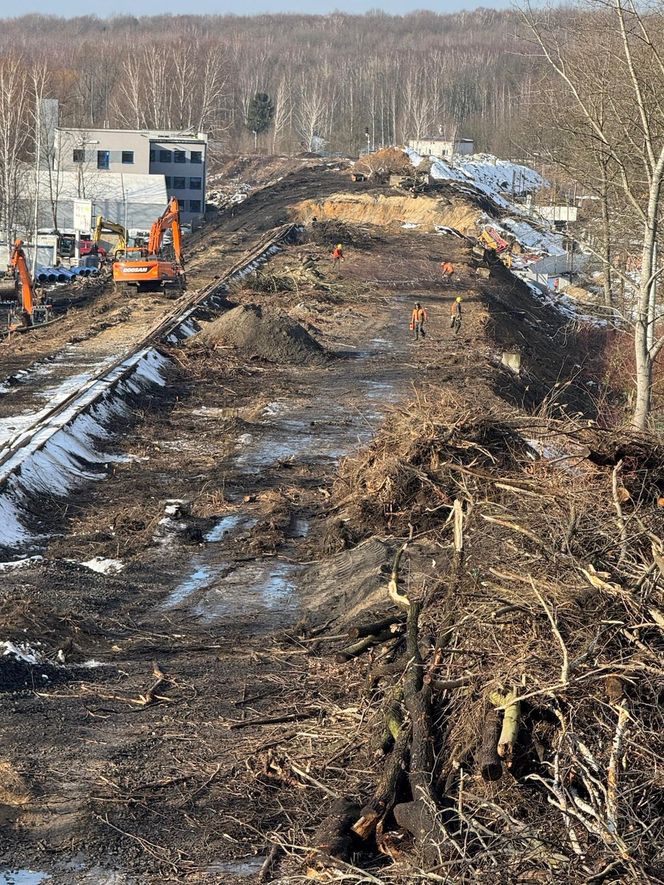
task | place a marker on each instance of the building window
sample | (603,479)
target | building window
(196,156)
(103,159)
(179,184)
(195,184)
(167,179)
(153,156)
(79,155)
(127,158)
(165,157)
(179,156)
(194,205)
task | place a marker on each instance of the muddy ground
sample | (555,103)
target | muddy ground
(184,711)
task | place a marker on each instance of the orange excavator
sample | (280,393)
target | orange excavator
(151,269)
(32,314)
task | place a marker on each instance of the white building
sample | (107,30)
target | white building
(439,146)
(180,158)
(131,199)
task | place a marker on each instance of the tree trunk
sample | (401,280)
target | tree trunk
(606,238)
(643,373)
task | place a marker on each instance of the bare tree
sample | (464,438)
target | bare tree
(624,117)
(282,112)
(14,138)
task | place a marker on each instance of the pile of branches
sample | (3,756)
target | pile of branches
(516,683)
(292,278)
(384,162)
(329,233)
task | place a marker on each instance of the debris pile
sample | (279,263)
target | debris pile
(304,274)
(267,336)
(328,233)
(388,161)
(514,669)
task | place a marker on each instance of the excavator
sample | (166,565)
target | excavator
(104,226)
(150,269)
(31,313)
(494,245)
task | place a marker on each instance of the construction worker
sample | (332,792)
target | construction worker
(338,253)
(455,314)
(417,321)
(448,270)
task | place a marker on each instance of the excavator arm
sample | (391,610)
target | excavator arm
(170,219)
(20,265)
(111,227)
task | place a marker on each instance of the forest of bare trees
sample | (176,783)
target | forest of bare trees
(330,77)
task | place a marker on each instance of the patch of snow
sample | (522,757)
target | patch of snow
(20,563)
(22,652)
(104,566)
(531,238)
(496,178)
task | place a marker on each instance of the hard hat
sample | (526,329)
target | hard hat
(459,298)
(338,245)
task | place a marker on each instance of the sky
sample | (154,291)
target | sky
(9,8)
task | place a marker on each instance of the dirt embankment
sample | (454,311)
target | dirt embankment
(387,210)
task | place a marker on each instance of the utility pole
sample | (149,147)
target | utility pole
(35,236)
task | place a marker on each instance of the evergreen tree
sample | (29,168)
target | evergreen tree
(259,113)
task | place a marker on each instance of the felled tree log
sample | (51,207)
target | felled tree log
(375,627)
(393,720)
(491,766)
(386,790)
(333,836)
(419,816)
(366,642)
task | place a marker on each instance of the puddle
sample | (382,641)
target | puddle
(250,589)
(263,585)
(227,525)
(300,528)
(22,877)
(269,452)
(244,866)
(199,578)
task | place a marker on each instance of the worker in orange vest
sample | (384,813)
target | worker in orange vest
(417,321)
(448,270)
(338,253)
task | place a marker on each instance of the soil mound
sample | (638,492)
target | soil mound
(272,337)
(387,210)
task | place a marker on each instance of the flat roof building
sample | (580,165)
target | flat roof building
(439,146)
(134,200)
(180,157)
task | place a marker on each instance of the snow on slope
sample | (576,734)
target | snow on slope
(499,180)
(533,239)
(487,173)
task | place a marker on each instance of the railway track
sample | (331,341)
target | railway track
(114,379)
